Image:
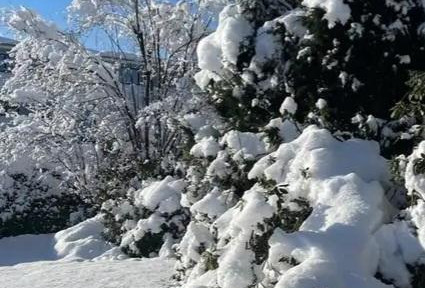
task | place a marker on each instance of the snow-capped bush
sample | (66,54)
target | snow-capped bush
(34,199)
(309,192)
(308,207)
(149,221)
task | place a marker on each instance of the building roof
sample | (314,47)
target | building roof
(6,44)
(4,40)
(107,55)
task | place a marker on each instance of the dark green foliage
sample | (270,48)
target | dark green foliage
(416,84)
(259,244)
(150,243)
(381,278)
(238,111)
(33,203)
(32,206)
(290,260)
(418,275)
(367,51)
(290,220)
(419,165)
(211,260)
(286,219)
(411,109)
(359,67)
(259,11)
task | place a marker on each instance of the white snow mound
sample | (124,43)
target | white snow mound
(78,243)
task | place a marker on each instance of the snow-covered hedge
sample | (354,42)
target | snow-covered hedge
(34,198)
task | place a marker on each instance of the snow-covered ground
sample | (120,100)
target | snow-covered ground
(76,257)
(148,273)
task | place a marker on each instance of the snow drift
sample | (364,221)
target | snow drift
(78,243)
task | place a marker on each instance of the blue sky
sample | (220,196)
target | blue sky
(55,11)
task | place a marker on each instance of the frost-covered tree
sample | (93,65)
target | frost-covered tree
(68,110)
(164,37)
(47,124)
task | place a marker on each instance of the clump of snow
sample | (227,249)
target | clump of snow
(293,22)
(233,271)
(159,203)
(267,43)
(221,48)
(239,224)
(206,147)
(162,196)
(197,236)
(323,156)
(417,213)
(206,131)
(403,241)
(194,121)
(288,106)
(321,104)
(219,166)
(404,59)
(415,182)
(26,20)
(246,145)
(288,130)
(342,181)
(346,212)
(335,10)
(397,246)
(244,218)
(212,205)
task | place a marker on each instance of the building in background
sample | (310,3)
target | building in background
(130,77)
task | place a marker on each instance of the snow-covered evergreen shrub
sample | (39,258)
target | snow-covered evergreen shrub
(315,209)
(149,220)
(268,235)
